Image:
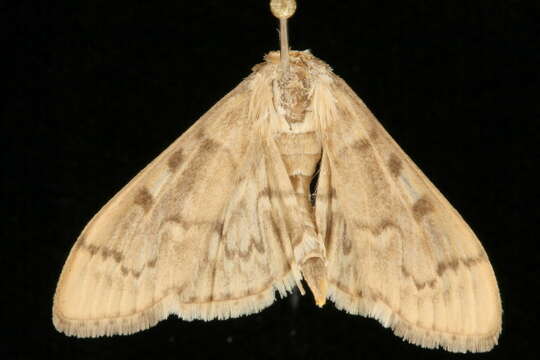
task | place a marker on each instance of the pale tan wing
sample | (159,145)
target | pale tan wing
(196,233)
(397,250)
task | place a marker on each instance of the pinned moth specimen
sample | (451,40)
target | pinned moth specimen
(224,218)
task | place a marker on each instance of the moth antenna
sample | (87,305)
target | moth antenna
(283,9)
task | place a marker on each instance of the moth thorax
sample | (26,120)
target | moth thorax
(292,93)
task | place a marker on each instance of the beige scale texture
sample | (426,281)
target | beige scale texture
(224,218)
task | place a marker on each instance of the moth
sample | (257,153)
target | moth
(224,218)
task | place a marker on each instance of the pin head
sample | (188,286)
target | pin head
(283,9)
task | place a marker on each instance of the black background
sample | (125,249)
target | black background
(99,88)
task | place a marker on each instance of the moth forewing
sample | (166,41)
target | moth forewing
(397,250)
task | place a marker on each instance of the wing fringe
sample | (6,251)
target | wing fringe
(427,338)
(161,309)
